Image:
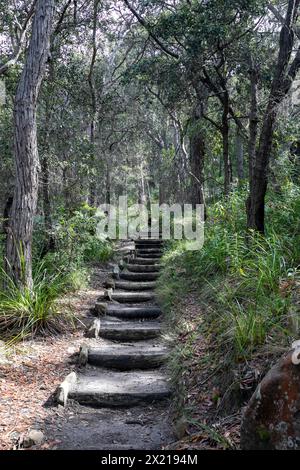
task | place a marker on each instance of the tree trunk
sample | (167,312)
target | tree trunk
(45,172)
(281,85)
(108,185)
(92,181)
(239,147)
(19,240)
(95,113)
(225,136)
(253,119)
(197,157)
(50,242)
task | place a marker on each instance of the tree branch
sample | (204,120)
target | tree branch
(280,18)
(15,56)
(151,34)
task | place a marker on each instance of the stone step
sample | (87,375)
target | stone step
(127,310)
(128,297)
(143,255)
(149,251)
(134,285)
(119,389)
(129,330)
(143,261)
(127,357)
(144,312)
(143,268)
(145,245)
(149,241)
(140,276)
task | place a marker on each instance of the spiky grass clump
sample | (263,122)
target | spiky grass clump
(244,270)
(28,312)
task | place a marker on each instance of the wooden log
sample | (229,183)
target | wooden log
(114,389)
(127,357)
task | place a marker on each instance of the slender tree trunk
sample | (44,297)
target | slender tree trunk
(45,171)
(92,181)
(108,185)
(281,85)
(225,136)
(6,214)
(253,126)
(253,120)
(19,240)
(92,85)
(66,191)
(197,158)
(239,146)
(50,242)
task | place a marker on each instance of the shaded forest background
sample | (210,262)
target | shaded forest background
(181,101)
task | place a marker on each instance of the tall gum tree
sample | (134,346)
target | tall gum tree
(19,236)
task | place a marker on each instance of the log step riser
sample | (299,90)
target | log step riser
(124,297)
(120,389)
(126,362)
(142,268)
(139,276)
(140,246)
(133,286)
(148,255)
(143,261)
(135,315)
(129,334)
(150,251)
(118,400)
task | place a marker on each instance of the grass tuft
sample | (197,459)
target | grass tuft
(28,312)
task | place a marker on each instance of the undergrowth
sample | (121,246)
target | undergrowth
(256,275)
(234,301)
(27,312)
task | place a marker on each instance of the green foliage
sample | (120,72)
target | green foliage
(76,244)
(27,312)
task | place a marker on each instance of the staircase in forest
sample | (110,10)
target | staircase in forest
(125,365)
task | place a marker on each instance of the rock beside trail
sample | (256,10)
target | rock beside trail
(272,418)
(33,438)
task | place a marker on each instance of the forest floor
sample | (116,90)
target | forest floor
(211,392)
(30,375)
(34,368)
(214,388)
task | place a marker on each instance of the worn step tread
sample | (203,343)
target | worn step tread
(143,268)
(128,297)
(151,256)
(149,253)
(134,312)
(144,246)
(131,286)
(142,260)
(140,276)
(129,331)
(128,357)
(115,389)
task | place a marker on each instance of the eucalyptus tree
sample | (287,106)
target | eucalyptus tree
(197,37)
(287,67)
(19,237)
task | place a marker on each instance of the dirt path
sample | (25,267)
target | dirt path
(39,366)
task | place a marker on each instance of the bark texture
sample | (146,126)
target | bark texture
(284,75)
(197,158)
(19,239)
